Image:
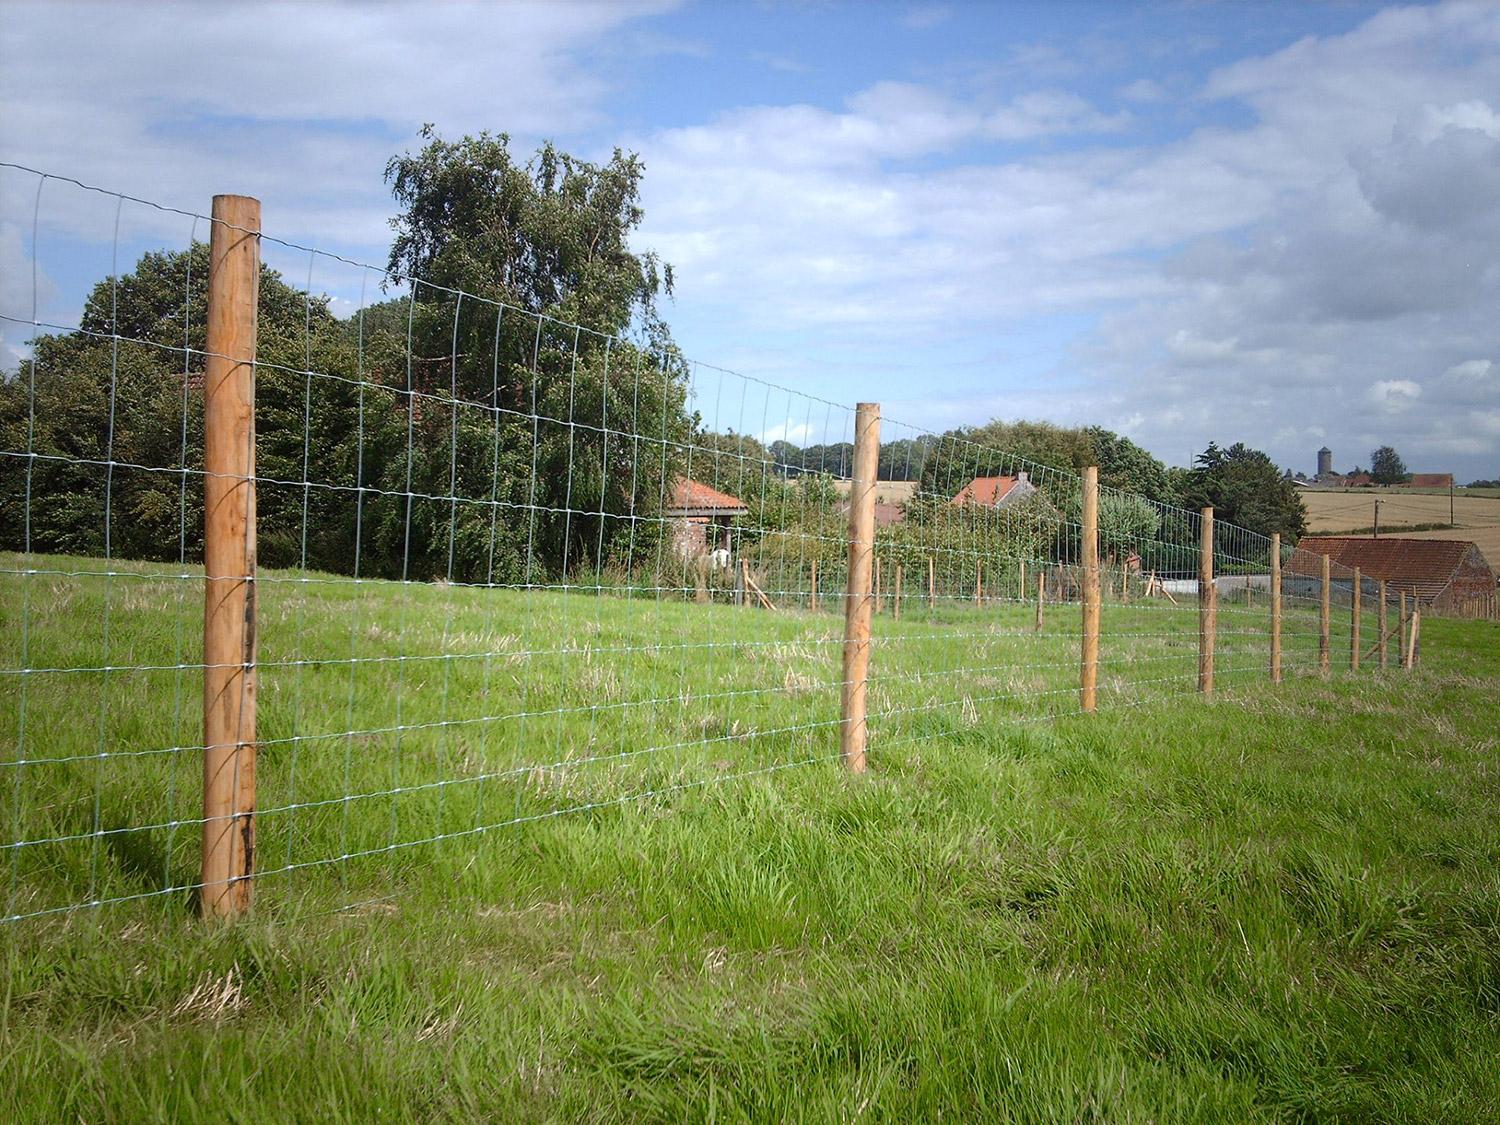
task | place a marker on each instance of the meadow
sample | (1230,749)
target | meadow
(571,855)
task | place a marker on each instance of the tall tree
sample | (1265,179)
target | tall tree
(1386,467)
(1244,487)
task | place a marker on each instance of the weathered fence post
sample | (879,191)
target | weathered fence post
(896,599)
(1324,615)
(853,731)
(744,590)
(1207,604)
(978,580)
(1041,594)
(931,584)
(1380,649)
(1021,589)
(813,605)
(1090,657)
(1276,607)
(1401,622)
(229,647)
(877,583)
(1354,624)
(1414,640)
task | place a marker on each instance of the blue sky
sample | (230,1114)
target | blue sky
(1262,222)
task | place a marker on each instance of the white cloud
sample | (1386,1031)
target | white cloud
(1395,395)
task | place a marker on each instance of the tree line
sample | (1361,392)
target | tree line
(446,436)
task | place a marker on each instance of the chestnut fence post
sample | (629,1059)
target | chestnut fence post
(229,648)
(1324,614)
(853,731)
(1087,695)
(1354,624)
(1207,608)
(1276,607)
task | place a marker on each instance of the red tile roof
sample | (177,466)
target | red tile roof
(1431,480)
(689,496)
(1423,567)
(988,491)
(888,514)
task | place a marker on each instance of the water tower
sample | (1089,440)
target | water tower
(1325,462)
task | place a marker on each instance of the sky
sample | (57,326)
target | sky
(1268,223)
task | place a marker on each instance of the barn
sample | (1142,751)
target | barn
(1438,572)
(701,517)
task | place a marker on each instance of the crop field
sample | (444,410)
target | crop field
(1476,514)
(1279,902)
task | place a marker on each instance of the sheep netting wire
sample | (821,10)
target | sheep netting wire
(509,568)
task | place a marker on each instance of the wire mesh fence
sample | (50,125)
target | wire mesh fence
(499,568)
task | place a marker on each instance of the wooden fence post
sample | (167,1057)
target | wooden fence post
(744,590)
(1041,594)
(931,584)
(814,603)
(877,584)
(1414,640)
(1354,624)
(1324,615)
(1021,589)
(1380,649)
(229,646)
(896,600)
(1207,616)
(1090,657)
(978,580)
(853,730)
(1276,607)
(1401,622)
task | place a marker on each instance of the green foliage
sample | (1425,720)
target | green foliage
(1245,488)
(1386,467)
(441,436)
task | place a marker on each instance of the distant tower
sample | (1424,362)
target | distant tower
(1325,462)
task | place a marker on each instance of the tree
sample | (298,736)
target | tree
(1244,487)
(456,429)
(1386,467)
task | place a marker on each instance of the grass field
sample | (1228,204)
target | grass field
(1476,512)
(1278,903)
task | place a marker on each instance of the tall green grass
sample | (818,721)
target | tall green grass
(1280,903)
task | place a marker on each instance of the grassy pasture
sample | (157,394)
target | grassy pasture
(1278,903)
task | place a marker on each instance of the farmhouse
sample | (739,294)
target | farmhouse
(1438,572)
(701,517)
(995,492)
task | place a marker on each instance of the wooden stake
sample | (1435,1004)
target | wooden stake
(1354,624)
(896,601)
(1022,587)
(1041,596)
(814,603)
(1089,672)
(931,584)
(1324,616)
(744,582)
(853,731)
(1207,607)
(1249,592)
(229,646)
(1276,608)
(877,583)
(1401,626)
(1380,648)
(1413,641)
(978,580)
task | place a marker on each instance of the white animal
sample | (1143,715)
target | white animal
(720,558)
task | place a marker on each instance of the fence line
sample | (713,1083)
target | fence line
(465,566)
